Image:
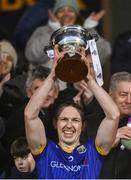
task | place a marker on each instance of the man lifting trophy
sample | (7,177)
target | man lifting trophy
(71,39)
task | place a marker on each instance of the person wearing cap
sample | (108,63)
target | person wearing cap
(8,61)
(65,12)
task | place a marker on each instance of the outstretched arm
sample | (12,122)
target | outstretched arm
(108,128)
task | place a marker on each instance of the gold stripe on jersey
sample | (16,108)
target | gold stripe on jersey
(39,150)
(101,151)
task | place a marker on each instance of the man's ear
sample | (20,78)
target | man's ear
(29,92)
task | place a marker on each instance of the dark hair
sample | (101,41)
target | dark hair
(79,108)
(39,72)
(19,147)
(69,103)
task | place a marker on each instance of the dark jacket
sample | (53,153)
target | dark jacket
(15,174)
(121,55)
(117,163)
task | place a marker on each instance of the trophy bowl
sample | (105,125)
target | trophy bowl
(70,39)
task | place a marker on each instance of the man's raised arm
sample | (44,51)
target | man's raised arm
(35,130)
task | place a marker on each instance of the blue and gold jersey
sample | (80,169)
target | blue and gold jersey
(84,162)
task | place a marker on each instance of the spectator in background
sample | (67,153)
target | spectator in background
(8,62)
(117,164)
(65,12)
(24,162)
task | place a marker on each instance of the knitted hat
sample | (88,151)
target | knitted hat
(7,47)
(71,3)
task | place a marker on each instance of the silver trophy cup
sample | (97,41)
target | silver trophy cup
(71,68)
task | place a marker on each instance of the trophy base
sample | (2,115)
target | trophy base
(71,69)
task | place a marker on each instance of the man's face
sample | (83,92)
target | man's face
(69,126)
(25,163)
(66,16)
(52,95)
(122,97)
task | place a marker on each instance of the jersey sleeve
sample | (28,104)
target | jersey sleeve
(38,151)
(101,151)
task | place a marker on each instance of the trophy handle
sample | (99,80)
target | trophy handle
(46,48)
(49,51)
